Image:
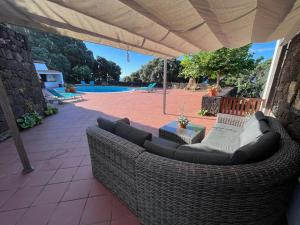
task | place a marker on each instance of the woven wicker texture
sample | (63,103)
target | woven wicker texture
(162,191)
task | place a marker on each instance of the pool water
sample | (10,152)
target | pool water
(100,89)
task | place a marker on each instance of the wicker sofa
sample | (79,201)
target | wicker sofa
(163,191)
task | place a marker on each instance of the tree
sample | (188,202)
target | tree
(231,61)
(153,71)
(68,55)
(106,70)
(82,73)
(195,66)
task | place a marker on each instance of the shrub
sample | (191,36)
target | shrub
(29,120)
(50,110)
(203,112)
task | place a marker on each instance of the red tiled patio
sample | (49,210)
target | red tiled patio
(62,190)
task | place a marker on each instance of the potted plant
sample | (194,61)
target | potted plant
(212,91)
(70,88)
(182,121)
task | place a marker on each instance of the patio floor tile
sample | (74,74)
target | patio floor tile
(38,215)
(52,164)
(63,175)
(5,195)
(11,217)
(97,209)
(22,198)
(77,189)
(39,178)
(51,194)
(119,210)
(84,172)
(12,181)
(67,213)
(62,189)
(71,162)
(126,220)
(98,189)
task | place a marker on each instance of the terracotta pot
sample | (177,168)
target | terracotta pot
(182,125)
(72,89)
(212,92)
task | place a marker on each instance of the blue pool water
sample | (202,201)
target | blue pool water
(101,89)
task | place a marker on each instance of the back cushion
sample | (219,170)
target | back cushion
(132,134)
(106,124)
(161,150)
(259,150)
(194,154)
(203,157)
(110,125)
(253,130)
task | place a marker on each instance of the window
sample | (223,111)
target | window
(51,78)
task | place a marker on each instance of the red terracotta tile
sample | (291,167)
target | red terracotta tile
(72,162)
(126,220)
(12,181)
(86,161)
(39,178)
(77,189)
(5,195)
(98,189)
(97,209)
(63,175)
(61,139)
(84,172)
(11,217)
(52,164)
(37,215)
(119,210)
(67,213)
(22,198)
(51,194)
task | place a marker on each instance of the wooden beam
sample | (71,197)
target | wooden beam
(165,86)
(11,122)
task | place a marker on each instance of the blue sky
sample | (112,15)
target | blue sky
(136,60)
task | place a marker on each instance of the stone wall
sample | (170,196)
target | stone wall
(18,75)
(286,102)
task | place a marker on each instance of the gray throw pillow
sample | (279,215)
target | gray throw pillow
(110,125)
(161,150)
(132,134)
(106,124)
(257,151)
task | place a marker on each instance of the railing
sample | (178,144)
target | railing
(240,106)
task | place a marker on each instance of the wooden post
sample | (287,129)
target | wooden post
(11,122)
(165,86)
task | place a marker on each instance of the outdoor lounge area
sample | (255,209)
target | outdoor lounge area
(94,148)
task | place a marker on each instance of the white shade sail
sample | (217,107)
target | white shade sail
(164,28)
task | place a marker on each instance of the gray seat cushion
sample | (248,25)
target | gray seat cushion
(259,150)
(223,140)
(110,125)
(132,134)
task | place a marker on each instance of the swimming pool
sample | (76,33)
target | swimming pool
(100,89)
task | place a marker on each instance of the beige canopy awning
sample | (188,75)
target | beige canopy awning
(164,28)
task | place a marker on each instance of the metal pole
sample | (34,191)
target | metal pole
(165,86)
(11,122)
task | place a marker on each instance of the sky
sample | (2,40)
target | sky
(136,60)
